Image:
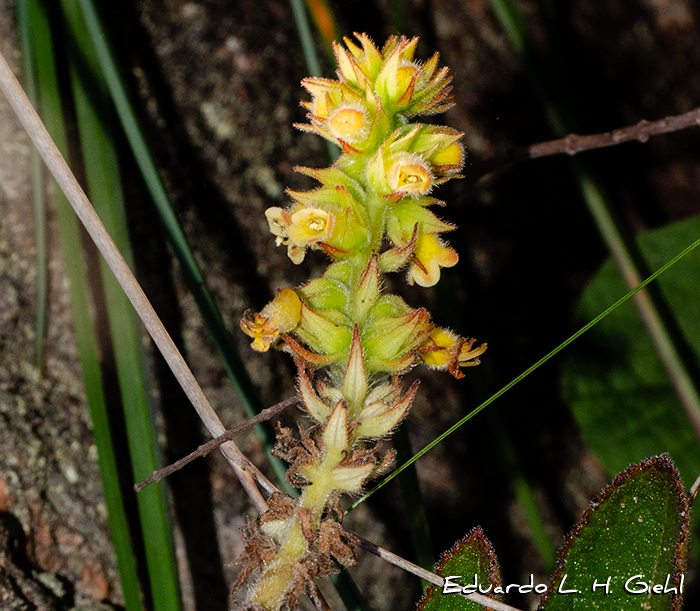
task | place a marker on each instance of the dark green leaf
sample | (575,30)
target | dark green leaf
(615,383)
(473,559)
(631,544)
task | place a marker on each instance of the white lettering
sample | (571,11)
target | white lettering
(605,585)
(639,587)
(561,589)
(668,590)
(527,588)
(451,588)
(471,588)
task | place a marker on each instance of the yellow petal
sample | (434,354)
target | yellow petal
(309,225)
(430,255)
(277,223)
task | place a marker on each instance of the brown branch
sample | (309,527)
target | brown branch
(574,144)
(212,444)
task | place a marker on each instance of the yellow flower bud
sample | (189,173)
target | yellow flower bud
(453,155)
(349,123)
(324,95)
(281,315)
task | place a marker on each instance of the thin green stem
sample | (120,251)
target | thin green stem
(526,373)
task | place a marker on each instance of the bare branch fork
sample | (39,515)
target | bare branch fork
(574,144)
(246,471)
(212,444)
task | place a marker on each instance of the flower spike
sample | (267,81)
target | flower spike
(370,213)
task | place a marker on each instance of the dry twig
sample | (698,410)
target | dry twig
(574,144)
(212,444)
(245,470)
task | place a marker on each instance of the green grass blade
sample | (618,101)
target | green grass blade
(102,173)
(100,159)
(38,198)
(192,274)
(525,373)
(308,47)
(41,40)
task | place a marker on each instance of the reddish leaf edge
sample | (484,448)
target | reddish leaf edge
(664,465)
(474,536)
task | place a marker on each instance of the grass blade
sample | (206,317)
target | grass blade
(326,25)
(39,200)
(102,173)
(192,274)
(41,40)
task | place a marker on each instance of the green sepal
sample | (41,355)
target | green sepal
(391,338)
(376,173)
(323,334)
(470,558)
(324,293)
(340,271)
(349,233)
(333,177)
(346,200)
(403,217)
(355,384)
(389,305)
(636,532)
(367,289)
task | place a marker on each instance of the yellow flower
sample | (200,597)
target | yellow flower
(299,228)
(429,256)
(409,174)
(309,225)
(281,315)
(444,349)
